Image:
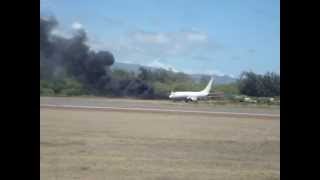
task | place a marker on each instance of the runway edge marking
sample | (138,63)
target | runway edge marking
(159,110)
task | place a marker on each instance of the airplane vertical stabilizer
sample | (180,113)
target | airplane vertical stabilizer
(208,88)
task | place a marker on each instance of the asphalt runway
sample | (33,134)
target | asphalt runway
(156,106)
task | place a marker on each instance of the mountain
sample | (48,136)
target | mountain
(217,79)
(135,68)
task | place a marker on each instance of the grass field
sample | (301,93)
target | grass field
(78,144)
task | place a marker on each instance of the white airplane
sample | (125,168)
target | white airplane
(191,95)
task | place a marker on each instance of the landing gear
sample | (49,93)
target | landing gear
(188,100)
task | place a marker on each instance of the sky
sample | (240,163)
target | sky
(193,36)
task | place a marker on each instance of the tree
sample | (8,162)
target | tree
(121,74)
(252,84)
(145,74)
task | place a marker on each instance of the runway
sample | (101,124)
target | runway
(127,105)
(113,138)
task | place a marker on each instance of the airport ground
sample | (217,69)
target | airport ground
(79,143)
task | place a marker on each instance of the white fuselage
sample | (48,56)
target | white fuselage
(187,94)
(192,95)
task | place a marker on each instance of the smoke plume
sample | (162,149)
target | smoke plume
(71,57)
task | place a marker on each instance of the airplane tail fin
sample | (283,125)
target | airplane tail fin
(208,88)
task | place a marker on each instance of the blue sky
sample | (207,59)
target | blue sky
(194,36)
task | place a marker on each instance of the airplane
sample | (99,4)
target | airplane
(191,95)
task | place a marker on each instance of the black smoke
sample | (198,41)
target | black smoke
(71,57)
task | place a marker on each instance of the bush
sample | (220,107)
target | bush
(46,91)
(66,87)
(71,92)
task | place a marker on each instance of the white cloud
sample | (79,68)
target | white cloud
(129,62)
(149,48)
(130,50)
(61,32)
(67,33)
(168,44)
(213,72)
(77,25)
(150,38)
(196,36)
(157,63)
(208,72)
(158,44)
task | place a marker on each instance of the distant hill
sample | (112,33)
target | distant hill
(135,68)
(217,79)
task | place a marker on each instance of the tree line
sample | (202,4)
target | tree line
(252,84)
(157,84)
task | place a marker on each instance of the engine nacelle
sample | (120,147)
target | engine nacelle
(191,99)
